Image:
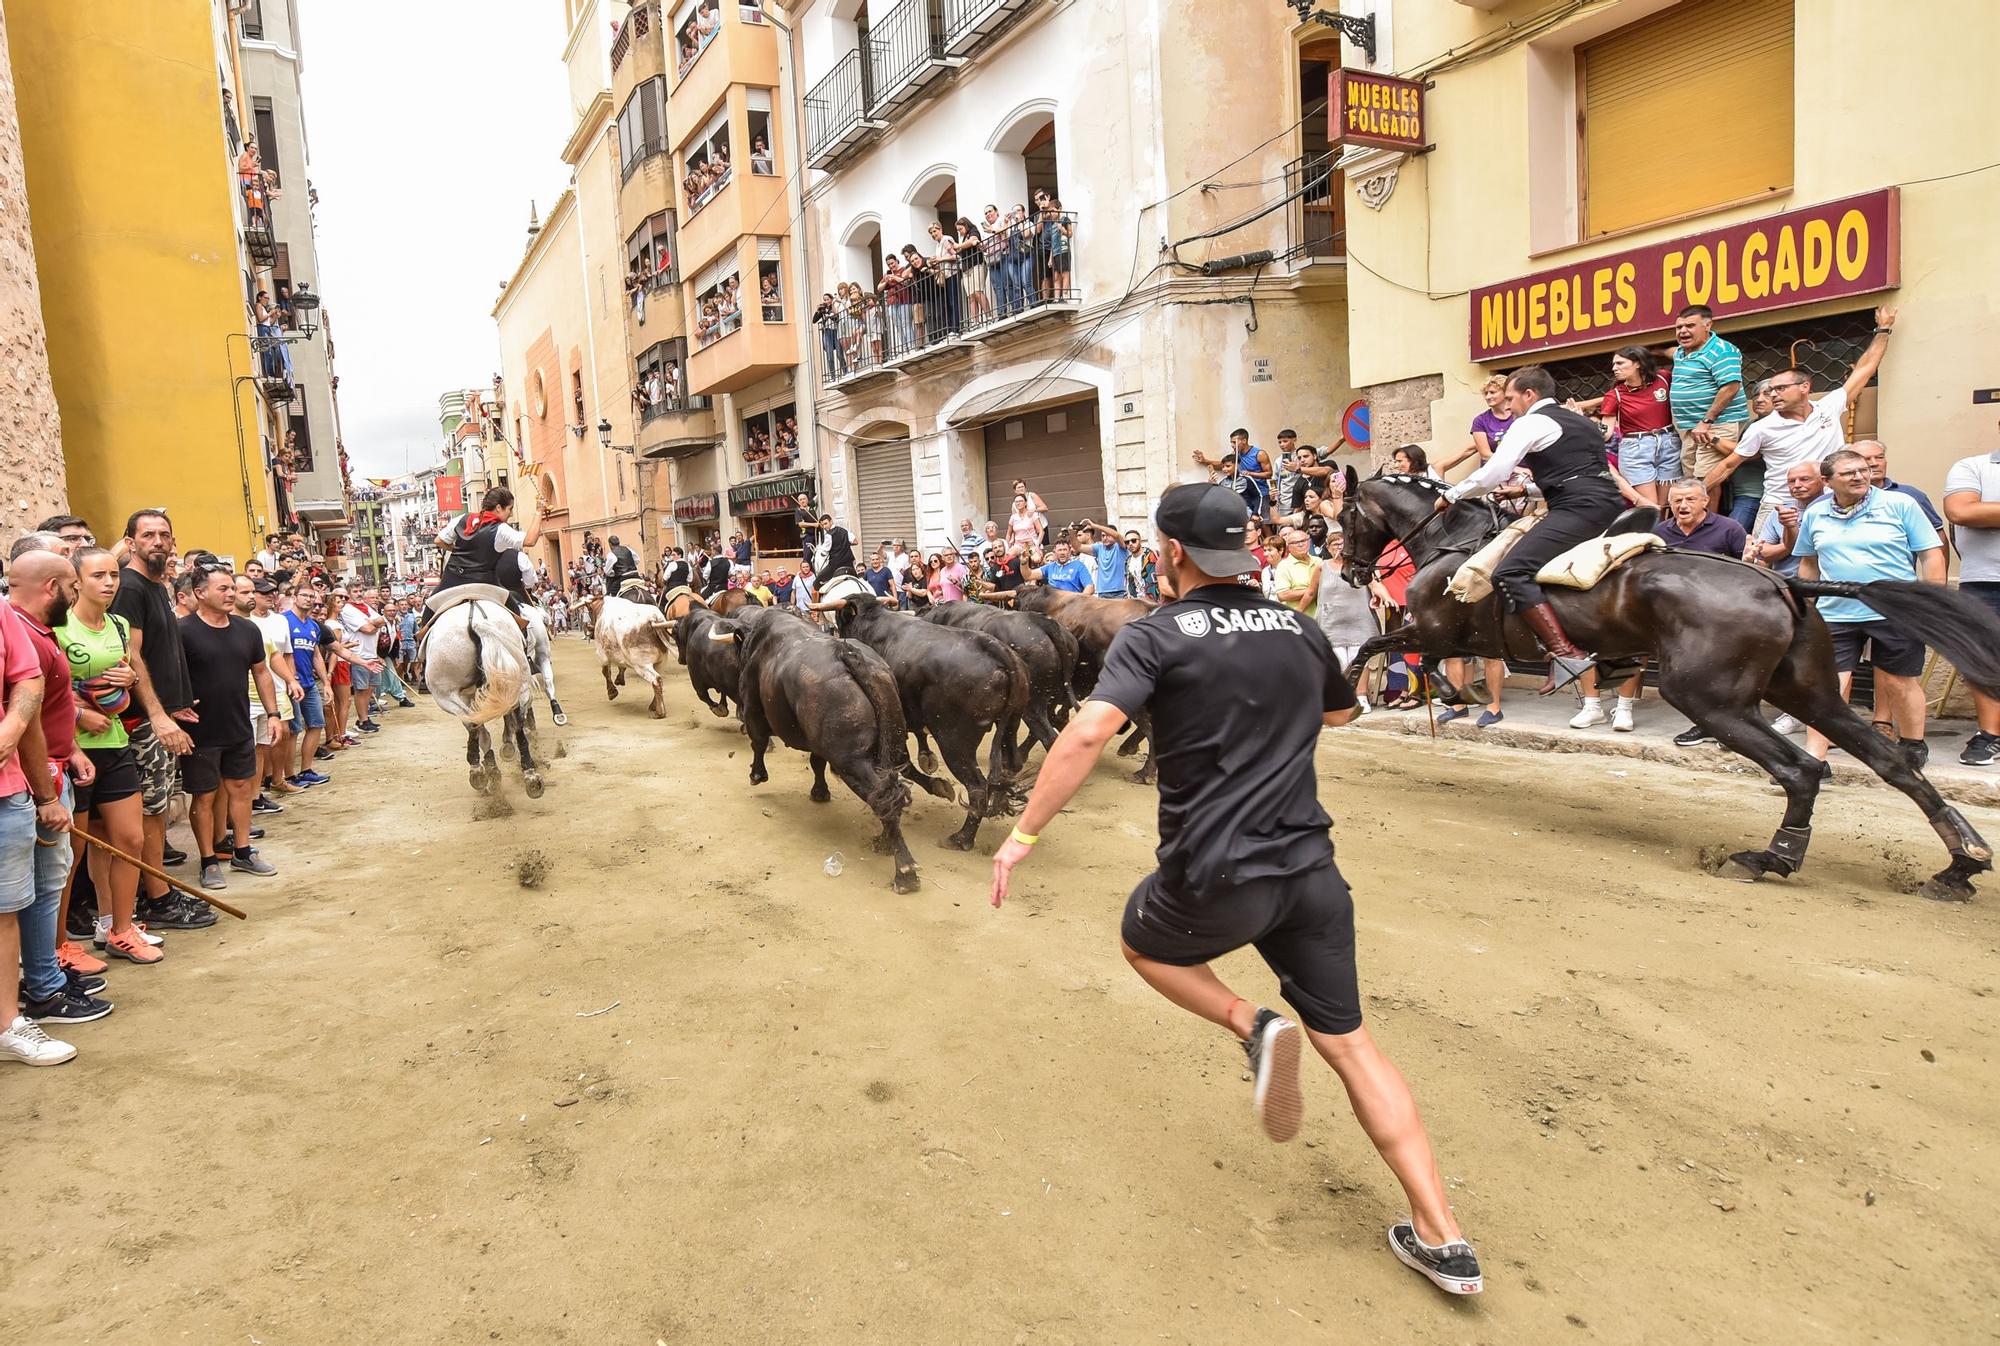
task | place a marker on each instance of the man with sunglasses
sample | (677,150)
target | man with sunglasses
(166,697)
(1799,429)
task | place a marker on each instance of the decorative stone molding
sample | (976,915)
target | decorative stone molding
(1373,174)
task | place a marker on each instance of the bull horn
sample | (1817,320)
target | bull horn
(834,606)
(721,637)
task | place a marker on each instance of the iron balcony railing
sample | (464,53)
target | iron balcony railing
(836,106)
(669,405)
(1315,229)
(644,150)
(968,24)
(1025,269)
(906,51)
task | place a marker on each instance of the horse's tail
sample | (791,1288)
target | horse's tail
(1960,628)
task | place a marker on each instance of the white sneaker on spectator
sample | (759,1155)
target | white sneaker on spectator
(1361,706)
(1785,724)
(1621,716)
(24,1041)
(1591,714)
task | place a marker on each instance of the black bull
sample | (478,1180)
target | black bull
(1725,635)
(1046,647)
(836,701)
(955,685)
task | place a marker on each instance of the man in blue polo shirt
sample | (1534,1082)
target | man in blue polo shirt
(1063,571)
(1107,552)
(1693,526)
(1861,533)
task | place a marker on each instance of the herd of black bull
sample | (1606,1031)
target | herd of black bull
(850,698)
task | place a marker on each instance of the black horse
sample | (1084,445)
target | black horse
(1725,636)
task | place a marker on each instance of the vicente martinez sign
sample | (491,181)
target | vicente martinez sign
(1378,111)
(1845,247)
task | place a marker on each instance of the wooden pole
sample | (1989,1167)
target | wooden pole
(161,875)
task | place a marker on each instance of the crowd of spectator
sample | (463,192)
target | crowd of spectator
(964,277)
(142,683)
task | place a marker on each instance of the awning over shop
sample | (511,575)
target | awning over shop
(1021,395)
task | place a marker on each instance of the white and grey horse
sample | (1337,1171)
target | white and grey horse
(541,659)
(476,669)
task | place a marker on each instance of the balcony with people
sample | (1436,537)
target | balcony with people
(771,442)
(672,423)
(652,280)
(739,331)
(714,44)
(258,188)
(733,179)
(959,281)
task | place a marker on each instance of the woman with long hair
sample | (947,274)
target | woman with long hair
(1635,409)
(1024,525)
(97,644)
(972,272)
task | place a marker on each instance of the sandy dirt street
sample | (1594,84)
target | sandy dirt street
(387,1109)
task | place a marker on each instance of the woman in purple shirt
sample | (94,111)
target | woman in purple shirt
(1487,427)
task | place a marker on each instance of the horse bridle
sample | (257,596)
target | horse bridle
(1374,570)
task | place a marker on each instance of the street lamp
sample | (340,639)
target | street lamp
(305,303)
(604,439)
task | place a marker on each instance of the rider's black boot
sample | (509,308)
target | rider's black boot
(1566,662)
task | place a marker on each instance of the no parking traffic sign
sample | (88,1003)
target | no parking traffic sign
(1354,424)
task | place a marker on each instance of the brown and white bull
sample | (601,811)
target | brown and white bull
(1095,622)
(630,636)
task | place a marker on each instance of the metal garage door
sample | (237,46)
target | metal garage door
(888,499)
(1058,451)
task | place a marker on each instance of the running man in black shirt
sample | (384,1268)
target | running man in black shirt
(1245,855)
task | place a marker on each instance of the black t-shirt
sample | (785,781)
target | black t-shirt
(1236,685)
(1006,577)
(148,608)
(219,662)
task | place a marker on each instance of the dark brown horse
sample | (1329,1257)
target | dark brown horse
(1725,636)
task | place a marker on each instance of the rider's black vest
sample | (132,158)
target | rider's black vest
(675,575)
(1577,453)
(474,559)
(623,563)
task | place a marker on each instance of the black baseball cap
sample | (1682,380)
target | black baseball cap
(264,587)
(1210,522)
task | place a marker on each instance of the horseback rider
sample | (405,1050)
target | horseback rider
(485,548)
(831,548)
(621,567)
(675,573)
(1564,451)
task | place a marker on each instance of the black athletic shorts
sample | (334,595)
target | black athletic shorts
(204,769)
(1986,591)
(1301,924)
(117,778)
(1888,649)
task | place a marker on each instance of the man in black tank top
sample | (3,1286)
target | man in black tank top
(1565,453)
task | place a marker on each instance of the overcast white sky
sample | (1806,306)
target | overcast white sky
(431,125)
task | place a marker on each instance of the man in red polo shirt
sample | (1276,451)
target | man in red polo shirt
(21,1038)
(43,584)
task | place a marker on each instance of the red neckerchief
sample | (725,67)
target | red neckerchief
(472,523)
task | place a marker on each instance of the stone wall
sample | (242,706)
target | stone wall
(31,461)
(1400,413)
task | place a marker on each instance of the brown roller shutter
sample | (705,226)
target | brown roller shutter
(1060,453)
(1684,111)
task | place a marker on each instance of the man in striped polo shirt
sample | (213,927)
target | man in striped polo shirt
(1706,395)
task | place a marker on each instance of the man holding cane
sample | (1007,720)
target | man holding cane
(1221,884)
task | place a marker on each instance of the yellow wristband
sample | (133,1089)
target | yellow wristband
(1024,838)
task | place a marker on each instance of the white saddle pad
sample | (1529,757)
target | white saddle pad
(445,599)
(1589,561)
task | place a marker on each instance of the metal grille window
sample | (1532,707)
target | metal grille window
(1315,227)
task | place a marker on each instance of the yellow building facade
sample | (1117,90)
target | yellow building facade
(1674,147)
(142,275)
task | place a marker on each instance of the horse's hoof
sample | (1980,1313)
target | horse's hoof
(958,841)
(1130,749)
(927,764)
(610,692)
(720,712)
(820,795)
(1751,866)
(560,719)
(533,785)
(758,775)
(1948,886)
(477,779)
(906,882)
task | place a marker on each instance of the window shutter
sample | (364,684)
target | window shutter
(767,249)
(760,100)
(1687,110)
(652,116)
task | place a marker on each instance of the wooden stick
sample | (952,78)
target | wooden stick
(161,875)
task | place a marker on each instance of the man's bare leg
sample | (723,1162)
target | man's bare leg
(1375,1088)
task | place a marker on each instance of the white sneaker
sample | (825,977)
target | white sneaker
(24,1041)
(1621,717)
(1361,706)
(1785,724)
(1591,714)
